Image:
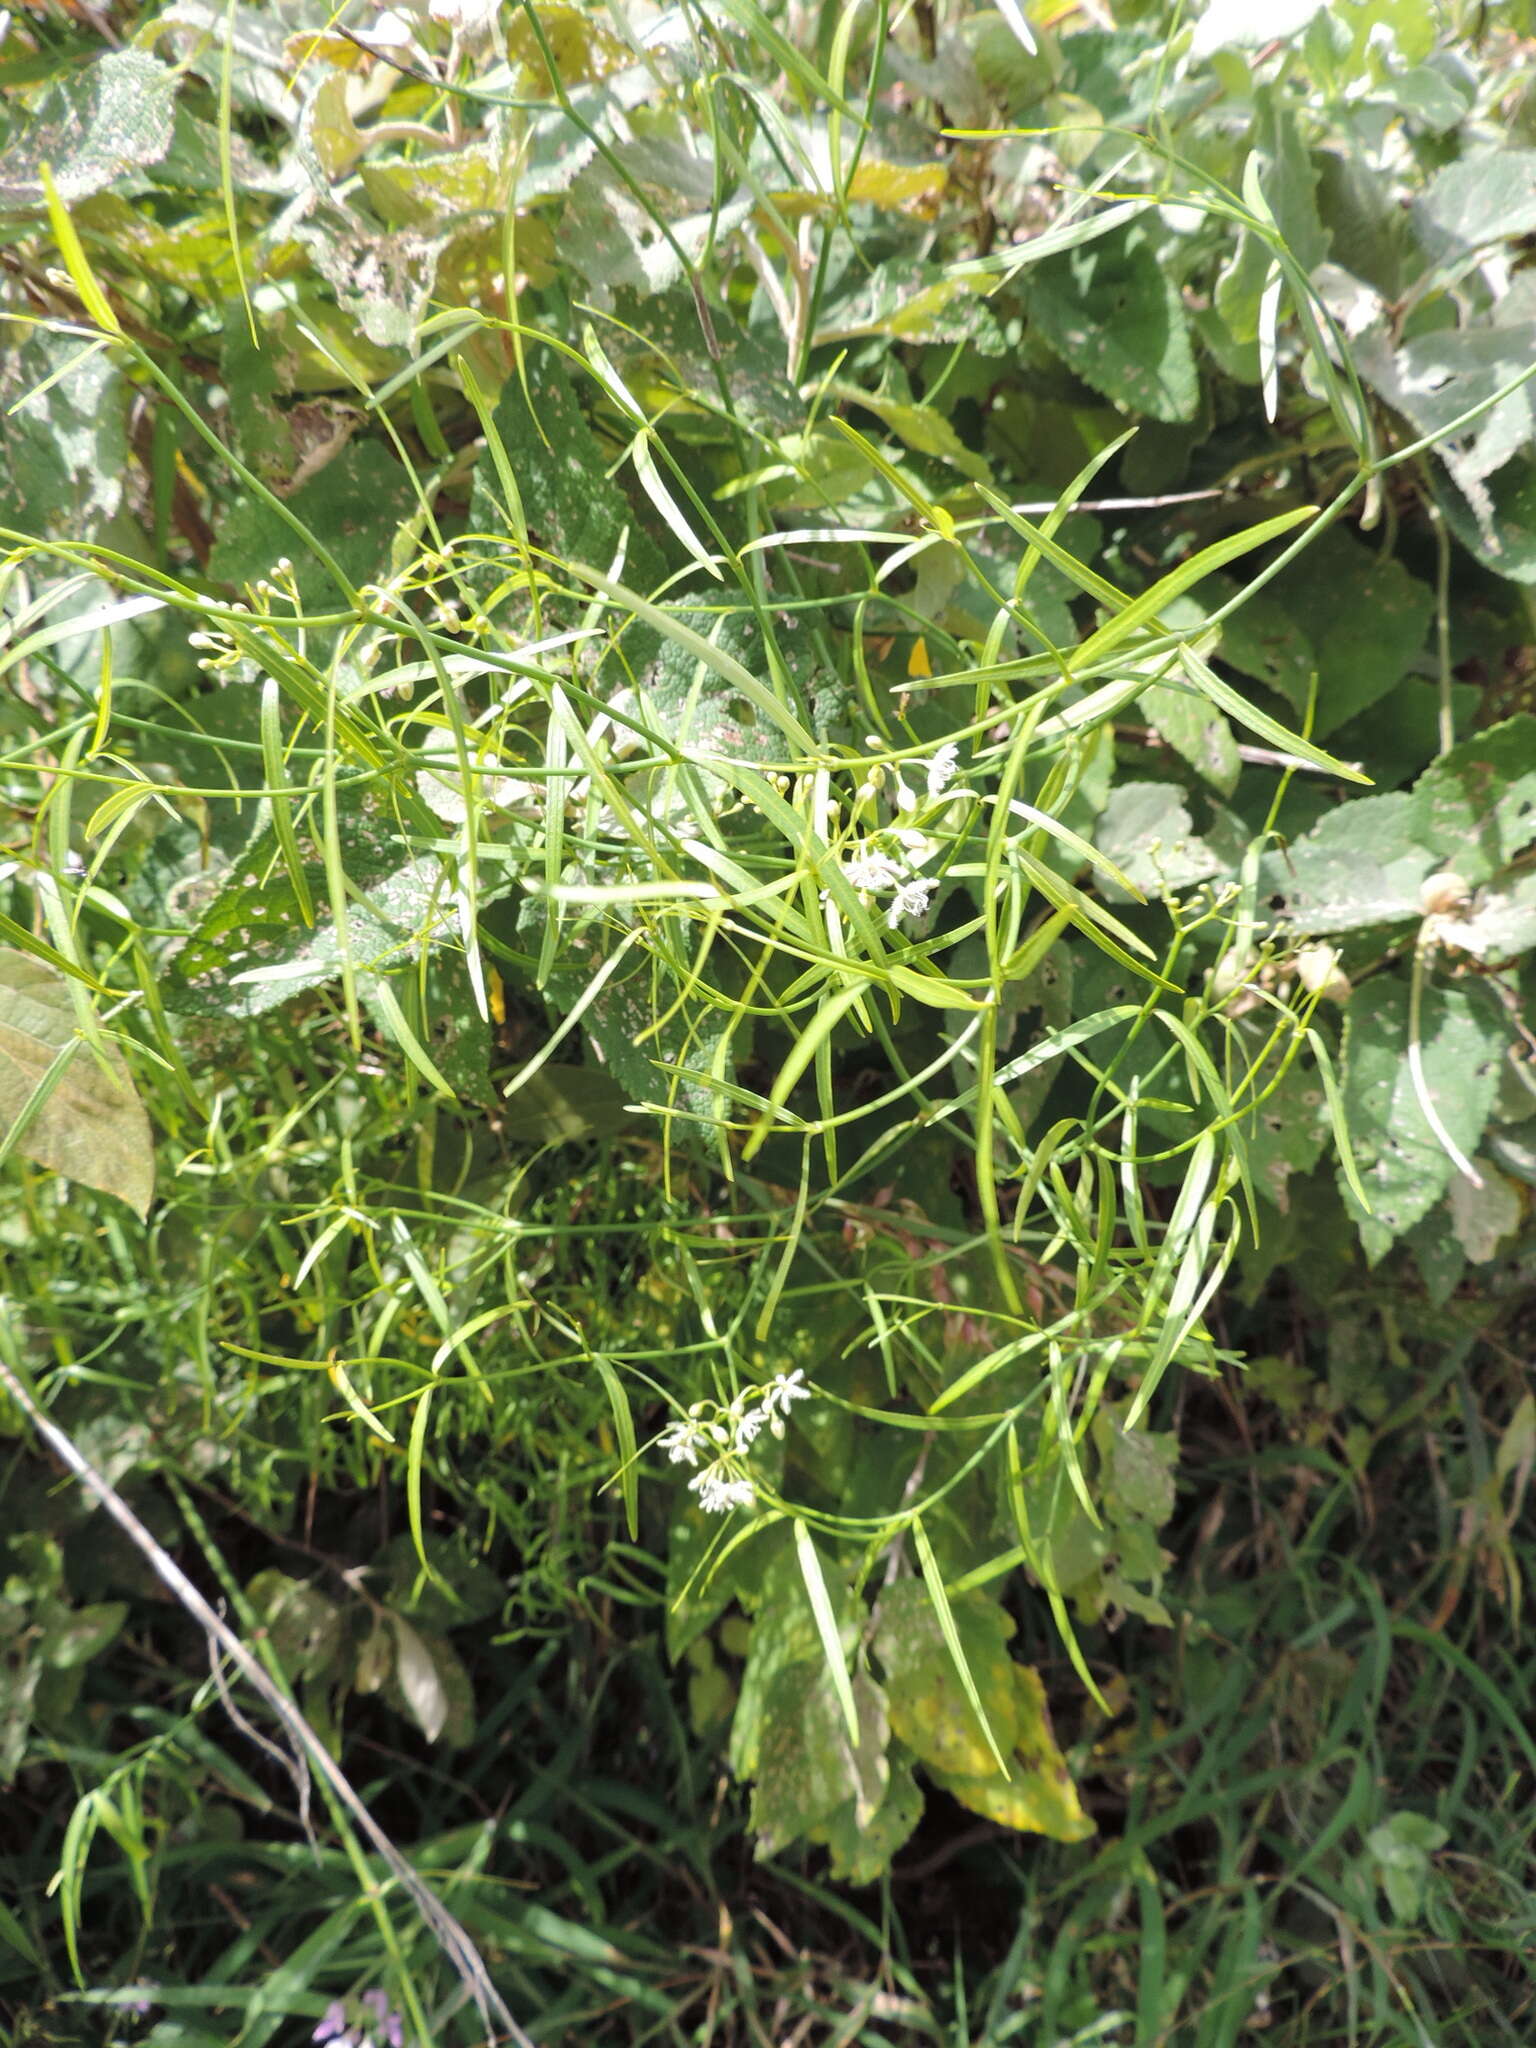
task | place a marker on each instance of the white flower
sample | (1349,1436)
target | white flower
(914,844)
(749,1427)
(873,871)
(782,1391)
(911,901)
(942,770)
(680,1441)
(724,1436)
(719,1492)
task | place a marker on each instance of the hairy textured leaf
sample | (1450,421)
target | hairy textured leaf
(1483,1217)
(1286,1134)
(92,129)
(1486,197)
(252,949)
(1196,730)
(664,353)
(1146,830)
(784,1635)
(915,302)
(1433,379)
(1497,926)
(808,1769)
(861,1851)
(354,507)
(1503,536)
(1115,317)
(1360,865)
(570,506)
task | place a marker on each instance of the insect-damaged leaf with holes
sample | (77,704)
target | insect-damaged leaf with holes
(1287,1131)
(1476,806)
(1360,865)
(92,1127)
(1403,1165)
(930,1712)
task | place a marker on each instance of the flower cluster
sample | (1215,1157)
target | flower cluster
(371,2023)
(887,862)
(715,1441)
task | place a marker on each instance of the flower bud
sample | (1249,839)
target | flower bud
(1319,972)
(1443,894)
(1229,974)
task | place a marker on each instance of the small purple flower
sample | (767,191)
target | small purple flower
(385,2022)
(380,2026)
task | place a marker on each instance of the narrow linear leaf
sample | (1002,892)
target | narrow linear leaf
(826,1627)
(944,1614)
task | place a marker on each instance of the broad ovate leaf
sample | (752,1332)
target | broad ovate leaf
(1403,1162)
(809,1771)
(419,1680)
(93,1127)
(1038,1796)
(1476,806)
(928,1706)
(1483,1215)
(1114,315)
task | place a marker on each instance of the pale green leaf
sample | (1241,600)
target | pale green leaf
(91,1126)
(93,128)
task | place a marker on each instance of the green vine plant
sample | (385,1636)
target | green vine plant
(702,757)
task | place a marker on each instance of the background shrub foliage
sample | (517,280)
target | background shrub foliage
(767,920)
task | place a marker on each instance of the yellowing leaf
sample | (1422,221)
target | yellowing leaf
(1039,1798)
(925,1697)
(899,188)
(92,1126)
